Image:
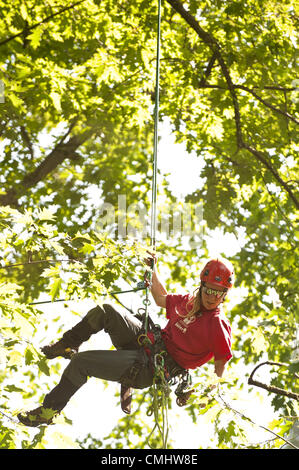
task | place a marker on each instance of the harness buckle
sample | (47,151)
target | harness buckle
(143,339)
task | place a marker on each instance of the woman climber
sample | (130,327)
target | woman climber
(195,333)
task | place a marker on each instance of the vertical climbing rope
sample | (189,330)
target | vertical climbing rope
(155,158)
(156,121)
(160,386)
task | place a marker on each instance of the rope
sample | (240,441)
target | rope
(160,388)
(161,391)
(70,300)
(156,121)
(148,276)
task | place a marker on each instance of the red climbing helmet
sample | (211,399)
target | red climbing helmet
(216,272)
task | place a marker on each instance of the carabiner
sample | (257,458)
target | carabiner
(150,411)
(159,357)
(143,339)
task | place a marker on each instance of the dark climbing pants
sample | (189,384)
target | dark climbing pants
(111,365)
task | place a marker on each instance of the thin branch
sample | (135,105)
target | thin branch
(274,172)
(215,47)
(276,88)
(279,210)
(72,125)
(202,84)
(45,20)
(27,141)
(9,418)
(269,388)
(208,70)
(40,261)
(268,105)
(56,157)
(252,422)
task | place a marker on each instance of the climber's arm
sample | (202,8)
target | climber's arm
(158,290)
(219,367)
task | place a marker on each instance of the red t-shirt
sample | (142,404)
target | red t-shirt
(194,341)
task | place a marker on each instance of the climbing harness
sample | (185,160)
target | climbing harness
(166,373)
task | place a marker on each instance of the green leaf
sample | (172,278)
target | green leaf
(16,101)
(13,388)
(43,366)
(46,214)
(56,98)
(15,359)
(259,343)
(29,356)
(23,11)
(35,37)
(55,288)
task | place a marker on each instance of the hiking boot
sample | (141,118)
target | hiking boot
(38,417)
(59,349)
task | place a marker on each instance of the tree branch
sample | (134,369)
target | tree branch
(55,158)
(259,156)
(61,152)
(27,141)
(48,18)
(265,103)
(266,87)
(272,389)
(252,422)
(215,47)
(202,84)
(208,70)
